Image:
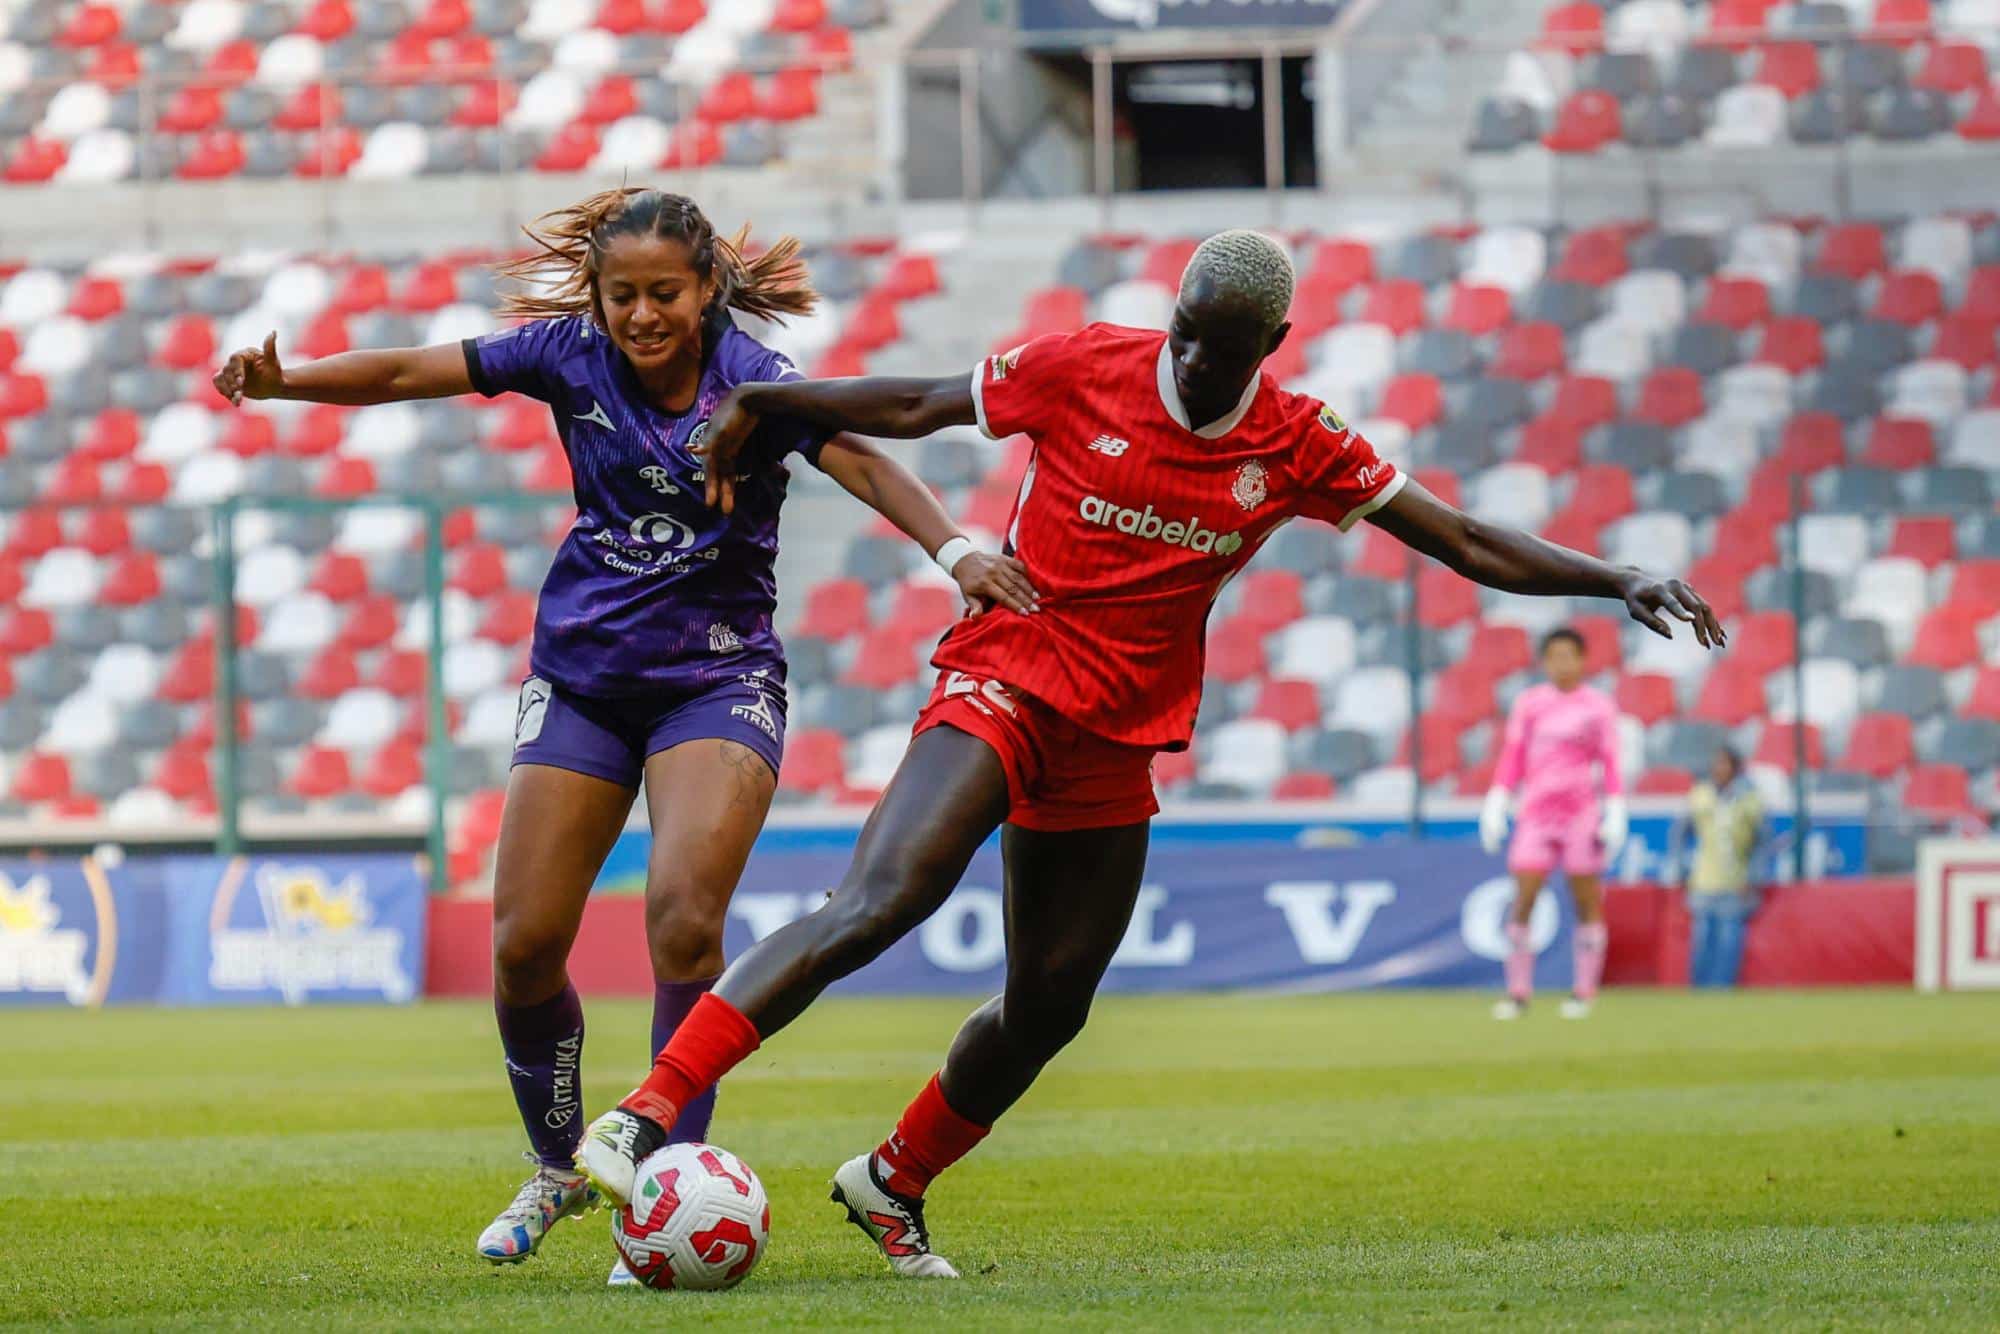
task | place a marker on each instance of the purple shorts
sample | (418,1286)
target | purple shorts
(611,738)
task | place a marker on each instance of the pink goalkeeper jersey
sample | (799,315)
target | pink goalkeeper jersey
(1556,741)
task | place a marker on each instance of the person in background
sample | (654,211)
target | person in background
(1726,817)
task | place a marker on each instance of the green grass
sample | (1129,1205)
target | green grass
(1804,1161)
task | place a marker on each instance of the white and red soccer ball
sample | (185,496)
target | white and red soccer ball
(699,1220)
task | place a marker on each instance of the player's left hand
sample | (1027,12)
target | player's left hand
(1613,826)
(1646,597)
(729,426)
(985,579)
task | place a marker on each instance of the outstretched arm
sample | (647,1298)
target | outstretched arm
(891,490)
(355,379)
(893,408)
(1518,562)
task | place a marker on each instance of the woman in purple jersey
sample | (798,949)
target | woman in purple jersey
(654,654)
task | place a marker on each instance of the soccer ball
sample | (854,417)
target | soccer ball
(698,1219)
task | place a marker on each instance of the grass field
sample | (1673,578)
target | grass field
(1780,1161)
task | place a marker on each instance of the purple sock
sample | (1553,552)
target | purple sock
(671,1003)
(544,1046)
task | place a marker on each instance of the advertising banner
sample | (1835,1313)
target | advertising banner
(191,930)
(1054,17)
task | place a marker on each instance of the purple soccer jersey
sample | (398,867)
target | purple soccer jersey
(651,590)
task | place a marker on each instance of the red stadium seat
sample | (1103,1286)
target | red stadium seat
(550,472)
(1441,483)
(326,153)
(613,99)
(1577,528)
(190,676)
(34,161)
(311,107)
(1792,343)
(1604,490)
(430,287)
(231,64)
(1587,401)
(790,94)
(362,288)
(1477,309)
(96,297)
(1291,703)
(1717,578)
(10,346)
(1603,642)
(401,672)
(1595,256)
(1665,781)
(1647,696)
(1587,122)
(1811,441)
(89,25)
(1984,701)
(1501,650)
(327,20)
(1763,641)
(815,761)
(347,478)
(831,49)
(697,143)
(321,772)
(1338,266)
(34,532)
(41,777)
(732,97)
(1954,68)
(1969,340)
(1737,303)
(1777,746)
(396,766)
(1445,598)
(182,773)
(186,344)
(1381,557)
(480,570)
(1930,539)
(1982,123)
(406,59)
(192,109)
(510,620)
(1899,442)
(622,18)
(872,324)
(340,576)
(329,675)
(1671,396)
(116,65)
(798,15)
(924,611)
(1529,352)
(1854,250)
(1270,599)
(886,658)
(486,104)
(75,481)
(112,434)
(1235,652)
(25,630)
(835,609)
(1053,310)
(1464,690)
(1939,789)
(677,16)
(1790,67)
(1398,304)
(1415,399)
(104,532)
(443,18)
(135,579)
(1577,27)
(1303,785)
(1739,23)
(319,430)
(22,395)
(1975,587)
(144,484)
(1441,737)
(1163,262)
(1288,362)
(991,506)
(12,581)
(1911,297)
(1901,22)
(1551,444)
(1879,745)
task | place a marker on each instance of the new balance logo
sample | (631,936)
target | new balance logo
(596,414)
(1150,526)
(1110,445)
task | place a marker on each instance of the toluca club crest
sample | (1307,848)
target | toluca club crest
(1249,489)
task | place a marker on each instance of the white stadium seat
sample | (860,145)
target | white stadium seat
(703,54)
(490,718)
(1348,364)
(1748,116)
(124,674)
(297,291)
(549,100)
(1835,544)
(1767,251)
(1137,303)
(1656,539)
(75,110)
(551,20)
(364,719)
(473,665)
(1249,753)
(873,756)
(1651,299)
(99,156)
(1375,700)
(457,321)
(1725,446)
(291,61)
(1975,441)
(32,295)
(206,24)
(1758,396)
(56,346)
(1939,246)
(1516,494)
(587,53)
(1315,648)
(382,431)
(1936,391)
(461,617)
(1508,257)
(1542,79)
(1660,27)
(207,478)
(81,725)
(269,575)
(375,530)
(17,67)
(393,152)
(1387,788)
(143,808)
(1832,695)
(1892,590)
(63,577)
(1614,350)
(634,142)
(301,624)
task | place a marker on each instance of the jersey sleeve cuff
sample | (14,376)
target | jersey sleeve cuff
(1374,502)
(473,370)
(979,399)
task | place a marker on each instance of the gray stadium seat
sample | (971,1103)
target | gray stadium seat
(262,675)
(1446,353)
(20,111)
(949,463)
(107,773)
(499,18)
(20,724)
(1307,548)
(1361,600)
(1685,744)
(1633,445)
(40,439)
(1826,116)
(18,484)
(848,710)
(1341,752)
(1879,345)
(1981,539)
(1429,260)
(381,328)
(1495,405)
(1661,122)
(749,143)
(400,575)
(1770,589)
(1569,306)
(1862,642)
(428,104)
(449,152)
(186,579)
(267,156)
(1954,489)
(809,662)
(249,108)
(128,111)
(220,294)
(1457,446)
(154,296)
(1909,114)
(1915,692)
(266,23)
(480,472)
(840,277)
(1704,349)
(274,475)
(1699,495)
(878,561)
(416,471)
(1971,744)
(1865,490)
(84,393)
(84,628)
(1684,253)
(50,675)
(160,624)
(1626,75)
(1847,390)
(1503,124)
(285,722)
(1701,73)
(476,769)
(1826,298)
(1819,19)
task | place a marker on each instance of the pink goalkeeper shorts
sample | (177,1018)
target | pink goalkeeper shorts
(1541,845)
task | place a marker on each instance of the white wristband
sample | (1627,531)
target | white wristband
(952,552)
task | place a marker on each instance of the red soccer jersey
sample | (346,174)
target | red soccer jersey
(1130,523)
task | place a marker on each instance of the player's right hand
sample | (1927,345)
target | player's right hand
(1493,821)
(252,373)
(728,427)
(985,580)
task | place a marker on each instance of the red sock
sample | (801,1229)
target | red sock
(929,1138)
(712,1040)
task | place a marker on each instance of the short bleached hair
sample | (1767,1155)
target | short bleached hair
(1246,266)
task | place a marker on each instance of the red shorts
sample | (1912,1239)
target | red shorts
(1059,776)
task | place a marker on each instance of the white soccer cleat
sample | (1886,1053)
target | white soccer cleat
(1575,1007)
(895,1223)
(1507,1009)
(546,1198)
(614,1146)
(621,1277)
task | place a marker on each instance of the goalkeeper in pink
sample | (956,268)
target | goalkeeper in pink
(1560,757)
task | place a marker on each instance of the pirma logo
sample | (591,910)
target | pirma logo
(1151,527)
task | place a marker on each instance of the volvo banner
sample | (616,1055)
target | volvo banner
(190,930)
(1061,17)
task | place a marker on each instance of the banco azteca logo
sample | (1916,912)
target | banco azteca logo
(1191,532)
